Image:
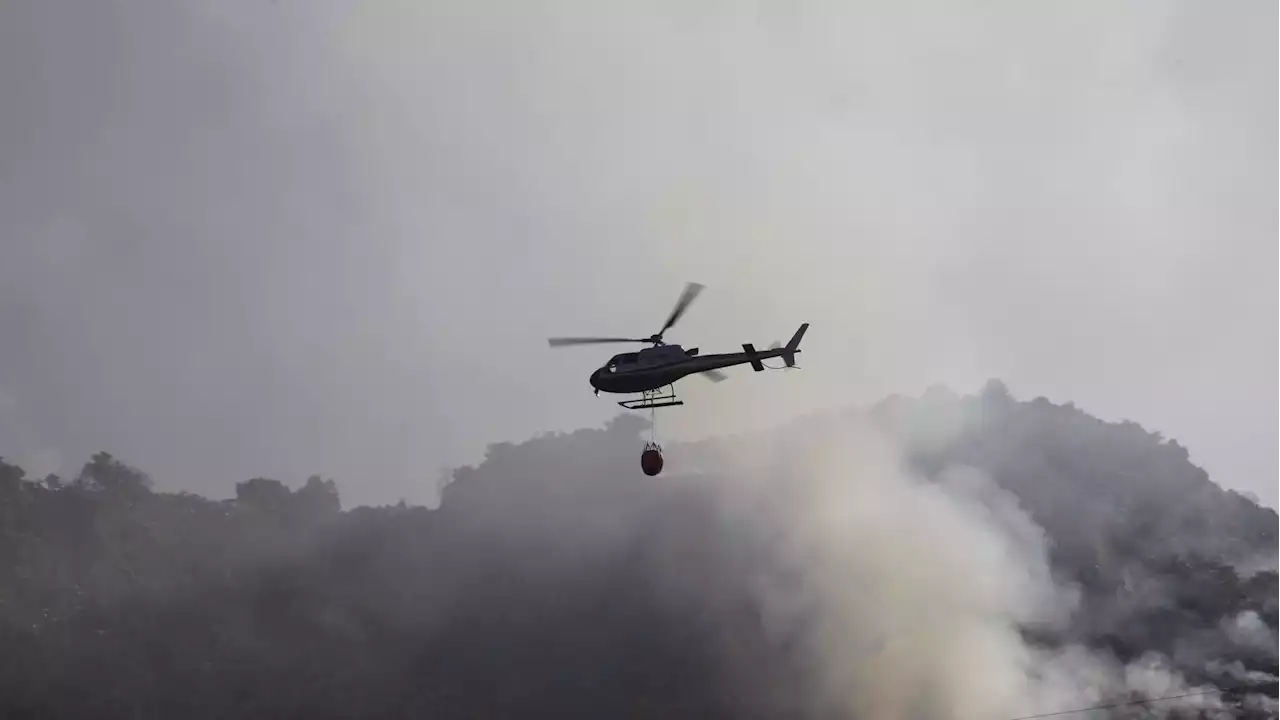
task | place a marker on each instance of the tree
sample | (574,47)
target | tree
(995,391)
(107,474)
(11,476)
(318,498)
(263,494)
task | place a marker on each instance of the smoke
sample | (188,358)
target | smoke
(1238,673)
(1247,629)
(1256,563)
(914,599)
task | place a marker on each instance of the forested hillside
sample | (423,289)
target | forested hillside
(1156,546)
(940,557)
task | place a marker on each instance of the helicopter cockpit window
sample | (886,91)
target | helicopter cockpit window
(621,360)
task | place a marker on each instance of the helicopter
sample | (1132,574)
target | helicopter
(651,370)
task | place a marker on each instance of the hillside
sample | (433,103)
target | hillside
(1122,505)
(941,557)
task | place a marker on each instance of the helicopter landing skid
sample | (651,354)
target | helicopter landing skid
(652,399)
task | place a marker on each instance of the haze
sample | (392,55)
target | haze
(280,238)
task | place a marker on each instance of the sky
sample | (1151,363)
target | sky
(277,238)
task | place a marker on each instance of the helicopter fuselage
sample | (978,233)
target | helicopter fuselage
(657,367)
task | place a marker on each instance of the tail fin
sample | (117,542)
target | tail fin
(793,346)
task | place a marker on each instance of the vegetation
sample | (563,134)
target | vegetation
(554,581)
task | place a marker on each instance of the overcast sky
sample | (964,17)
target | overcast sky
(276,238)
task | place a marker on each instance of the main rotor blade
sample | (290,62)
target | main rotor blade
(690,292)
(714,375)
(562,341)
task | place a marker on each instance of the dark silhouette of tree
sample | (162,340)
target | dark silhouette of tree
(11,476)
(264,494)
(318,498)
(103,472)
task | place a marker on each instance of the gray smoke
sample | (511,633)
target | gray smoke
(1236,671)
(910,596)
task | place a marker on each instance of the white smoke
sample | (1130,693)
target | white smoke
(1247,629)
(910,596)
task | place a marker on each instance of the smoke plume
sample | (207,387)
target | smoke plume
(913,599)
